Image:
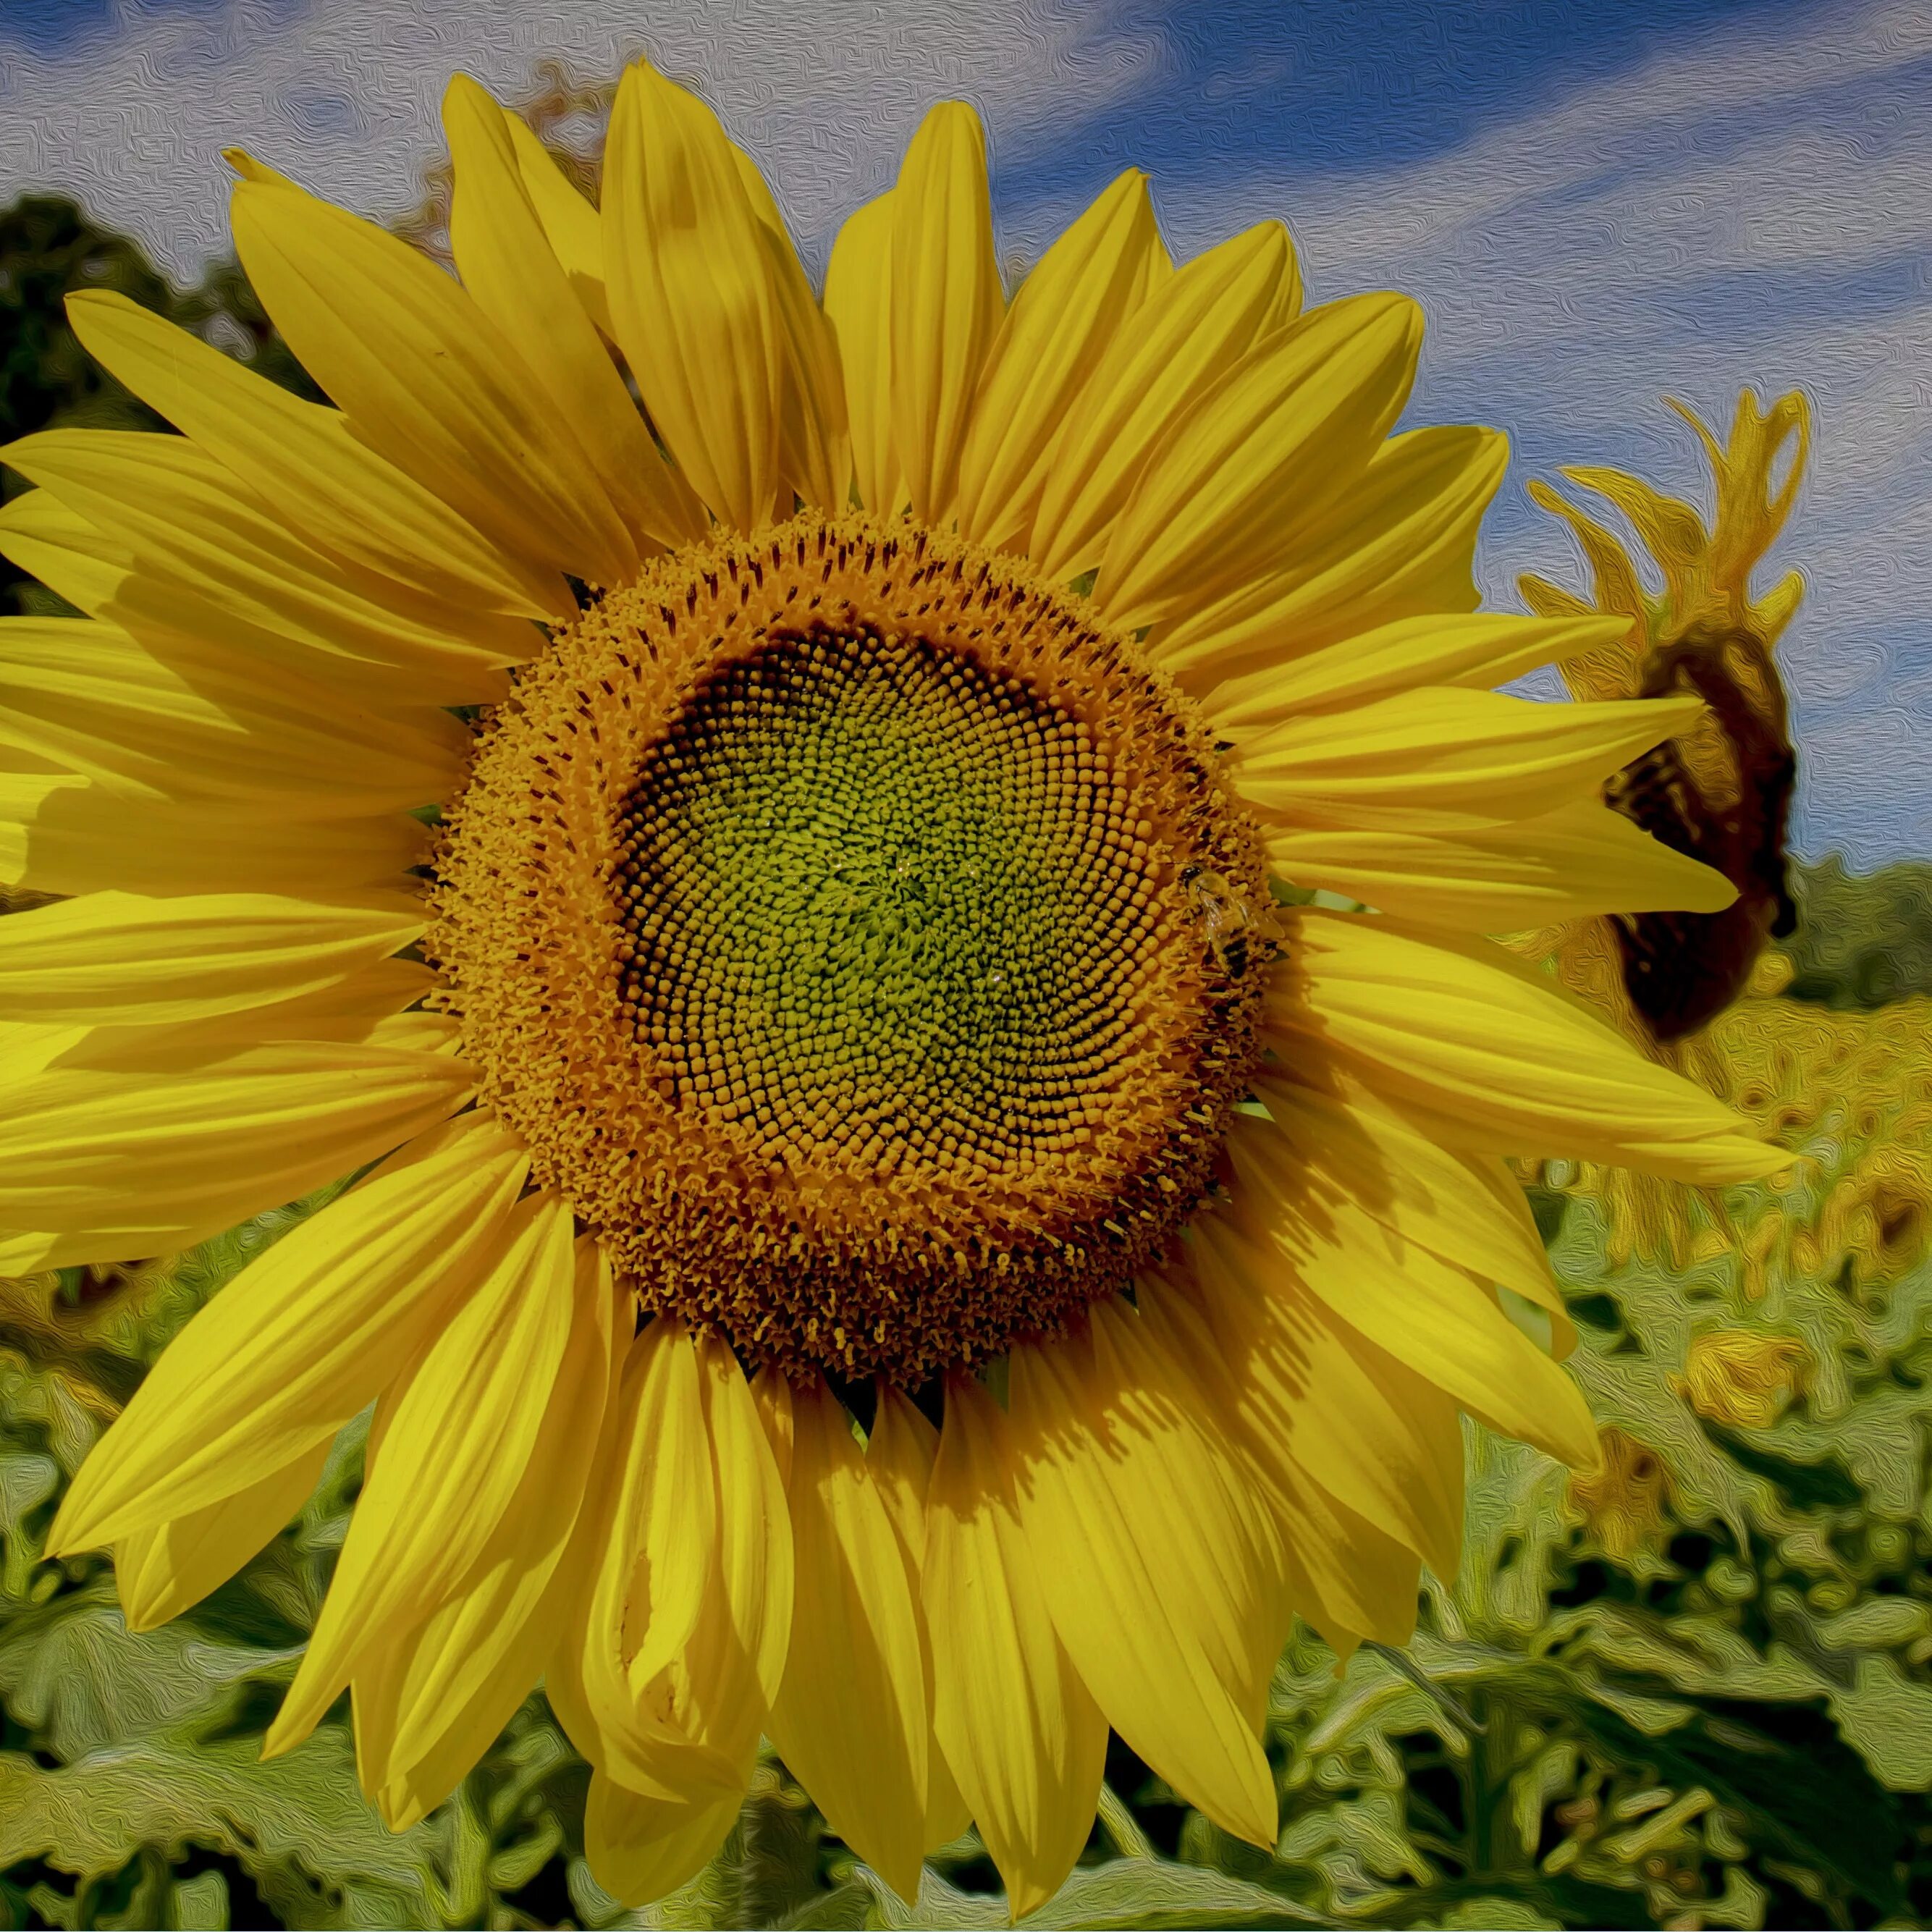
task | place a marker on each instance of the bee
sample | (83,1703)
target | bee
(1226,921)
(1723,796)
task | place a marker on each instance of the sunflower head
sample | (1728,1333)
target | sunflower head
(887,1220)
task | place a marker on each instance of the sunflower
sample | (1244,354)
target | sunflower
(1720,792)
(879,1225)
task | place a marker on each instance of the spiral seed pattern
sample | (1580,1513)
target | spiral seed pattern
(817,910)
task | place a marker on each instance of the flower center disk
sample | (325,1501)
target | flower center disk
(831,912)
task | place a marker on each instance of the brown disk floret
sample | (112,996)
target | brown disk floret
(862,940)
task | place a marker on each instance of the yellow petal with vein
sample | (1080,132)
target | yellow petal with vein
(1324,1404)
(900,1452)
(466,1421)
(570,224)
(754,1523)
(850,1720)
(815,442)
(1580,860)
(113,956)
(1279,436)
(211,1144)
(1192,330)
(1504,1063)
(1402,1296)
(858,306)
(60,832)
(1067,311)
(1029,1741)
(692,294)
(1474,651)
(301,458)
(640,1848)
(161,1571)
(427,381)
(946,303)
(1399,542)
(51,541)
(201,560)
(512,270)
(1148,1564)
(1427,1192)
(191,722)
(303,1338)
(1480,753)
(457,1678)
(1349,1578)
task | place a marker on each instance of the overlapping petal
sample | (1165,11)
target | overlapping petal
(693,297)
(302,1338)
(1496,1058)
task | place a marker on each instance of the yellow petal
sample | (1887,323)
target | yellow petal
(692,294)
(1501,1058)
(114,956)
(463,1672)
(467,1422)
(850,1720)
(754,1522)
(49,540)
(427,381)
(203,560)
(1013,1715)
(570,223)
(1277,437)
(1441,1200)
(1346,1577)
(640,1848)
(1298,1208)
(858,306)
(161,1571)
(1399,542)
(1618,586)
(184,723)
(511,272)
(200,1148)
(301,458)
(900,1453)
(1192,331)
(814,443)
(1322,1403)
(1067,311)
(947,301)
(658,1550)
(303,1338)
(1478,753)
(1476,651)
(1148,1563)
(62,833)
(1580,860)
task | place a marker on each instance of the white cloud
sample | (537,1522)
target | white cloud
(344,93)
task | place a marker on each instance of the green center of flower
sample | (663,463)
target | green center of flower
(884,902)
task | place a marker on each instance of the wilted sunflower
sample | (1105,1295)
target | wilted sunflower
(1719,792)
(847,943)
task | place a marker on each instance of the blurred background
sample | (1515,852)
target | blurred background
(1692,1691)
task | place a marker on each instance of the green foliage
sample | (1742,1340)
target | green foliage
(1864,939)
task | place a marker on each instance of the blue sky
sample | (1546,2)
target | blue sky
(1597,202)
